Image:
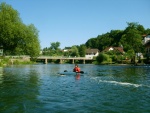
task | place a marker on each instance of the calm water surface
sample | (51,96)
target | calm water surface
(102,89)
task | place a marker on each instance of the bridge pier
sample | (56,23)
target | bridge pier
(45,61)
(72,61)
(61,61)
(84,61)
(12,62)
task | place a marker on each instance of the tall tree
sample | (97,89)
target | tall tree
(32,41)
(16,37)
(55,45)
(132,38)
(82,50)
(9,23)
(148,31)
(92,43)
(115,36)
(74,51)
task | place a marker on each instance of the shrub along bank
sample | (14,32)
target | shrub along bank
(9,61)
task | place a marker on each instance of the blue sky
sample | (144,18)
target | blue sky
(73,22)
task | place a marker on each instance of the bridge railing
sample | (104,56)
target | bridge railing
(62,57)
(17,57)
(46,57)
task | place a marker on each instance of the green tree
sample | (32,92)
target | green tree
(55,45)
(104,41)
(82,50)
(92,43)
(132,39)
(101,58)
(32,41)
(141,29)
(74,51)
(67,53)
(130,53)
(16,37)
(147,31)
(115,36)
(9,23)
(100,42)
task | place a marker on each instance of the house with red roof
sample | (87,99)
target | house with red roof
(118,49)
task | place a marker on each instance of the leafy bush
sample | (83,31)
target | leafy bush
(103,58)
(114,58)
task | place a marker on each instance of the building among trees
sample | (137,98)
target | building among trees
(116,49)
(146,42)
(90,53)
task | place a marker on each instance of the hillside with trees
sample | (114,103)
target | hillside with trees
(129,39)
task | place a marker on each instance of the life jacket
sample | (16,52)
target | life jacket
(76,69)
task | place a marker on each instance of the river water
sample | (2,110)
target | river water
(101,89)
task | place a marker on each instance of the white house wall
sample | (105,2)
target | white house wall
(91,56)
(146,39)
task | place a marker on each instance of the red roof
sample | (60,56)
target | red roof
(120,49)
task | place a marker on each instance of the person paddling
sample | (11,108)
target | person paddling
(76,69)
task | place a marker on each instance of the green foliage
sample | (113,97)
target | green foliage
(16,62)
(54,45)
(130,53)
(147,31)
(82,50)
(74,51)
(67,53)
(114,58)
(105,40)
(16,37)
(132,38)
(32,42)
(129,39)
(53,50)
(103,58)
(93,42)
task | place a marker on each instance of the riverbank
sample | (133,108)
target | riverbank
(5,61)
(18,61)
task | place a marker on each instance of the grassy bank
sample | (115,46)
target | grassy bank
(8,61)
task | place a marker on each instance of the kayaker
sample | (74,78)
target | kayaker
(76,68)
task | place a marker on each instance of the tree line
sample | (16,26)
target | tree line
(73,51)
(130,38)
(16,38)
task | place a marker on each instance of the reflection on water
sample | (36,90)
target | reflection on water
(77,76)
(19,89)
(39,88)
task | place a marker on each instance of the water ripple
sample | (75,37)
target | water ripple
(118,83)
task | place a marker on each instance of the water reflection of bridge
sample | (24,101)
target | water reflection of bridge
(62,59)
